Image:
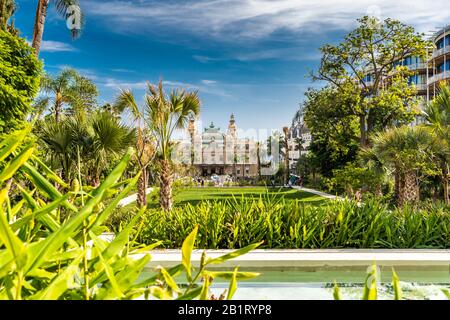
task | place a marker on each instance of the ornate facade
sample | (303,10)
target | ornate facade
(223,153)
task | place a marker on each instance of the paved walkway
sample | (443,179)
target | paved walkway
(126,201)
(319,193)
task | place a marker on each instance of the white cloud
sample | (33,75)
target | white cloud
(88,73)
(256,19)
(209,82)
(119,84)
(123,70)
(56,46)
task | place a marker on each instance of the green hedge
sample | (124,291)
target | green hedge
(288,225)
(20,73)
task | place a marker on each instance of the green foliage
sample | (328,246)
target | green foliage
(20,71)
(45,256)
(404,149)
(437,113)
(100,139)
(7,8)
(354,179)
(344,114)
(68,93)
(373,48)
(280,223)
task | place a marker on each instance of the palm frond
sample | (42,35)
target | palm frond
(126,100)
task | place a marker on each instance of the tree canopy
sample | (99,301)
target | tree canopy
(20,73)
(363,70)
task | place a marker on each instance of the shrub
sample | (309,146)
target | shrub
(292,224)
(19,80)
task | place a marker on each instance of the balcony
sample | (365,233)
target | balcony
(417,66)
(420,86)
(441,51)
(440,76)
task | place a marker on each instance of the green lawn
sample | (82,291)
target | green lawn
(195,195)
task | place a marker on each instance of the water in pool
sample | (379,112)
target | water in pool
(317,284)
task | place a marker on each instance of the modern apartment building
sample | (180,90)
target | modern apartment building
(439,62)
(429,72)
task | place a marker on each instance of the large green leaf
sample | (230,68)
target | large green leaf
(396,286)
(204,294)
(16,163)
(8,237)
(113,288)
(43,185)
(228,275)
(61,283)
(169,280)
(12,142)
(191,294)
(186,252)
(336,292)
(370,284)
(151,280)
(113,205)
(49,173)
(119,242)
(233,254)
(233,285)
(42,214)
(47,247)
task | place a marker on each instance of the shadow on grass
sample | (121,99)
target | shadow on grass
(196,195)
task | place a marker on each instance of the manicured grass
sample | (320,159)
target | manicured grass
(195,194)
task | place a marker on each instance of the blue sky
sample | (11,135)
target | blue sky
(247,57)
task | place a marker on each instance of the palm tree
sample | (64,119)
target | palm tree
(258,158)
(406,151)
(41,14)
(144,144)
(58,144)
(437,113)
(7,8)
(71,89)
(370,159)
(286,154)
(166,113)
(98,139)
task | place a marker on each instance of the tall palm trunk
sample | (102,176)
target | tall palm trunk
(165,192)
(58,107)
(142,187)
(445,178)
(39,23)
(397,185)
(258,161)
(409,189)
(287,173)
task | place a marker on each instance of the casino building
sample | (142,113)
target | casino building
(223,153)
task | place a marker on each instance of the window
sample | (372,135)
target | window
(247,170)
(443,67)
(440,43)
(367,78)
(238,171)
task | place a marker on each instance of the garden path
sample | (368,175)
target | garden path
(130,199)
(319,193)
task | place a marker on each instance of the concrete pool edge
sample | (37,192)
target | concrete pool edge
(273,258)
